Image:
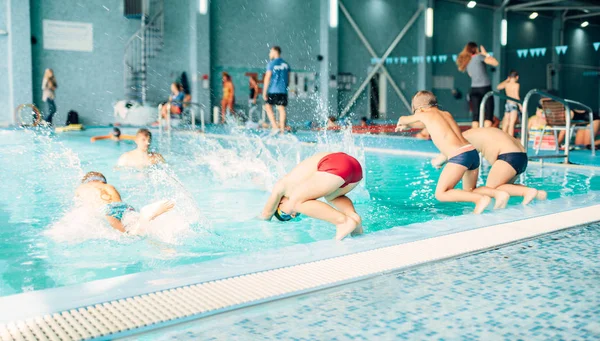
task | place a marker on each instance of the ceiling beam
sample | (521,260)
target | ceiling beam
(579,16)
(557,8)
(531,3)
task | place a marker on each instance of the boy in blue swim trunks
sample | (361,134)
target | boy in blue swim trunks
(97,194)
(463,159)
(508,159)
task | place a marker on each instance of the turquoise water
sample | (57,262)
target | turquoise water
(219,185)
(543,289)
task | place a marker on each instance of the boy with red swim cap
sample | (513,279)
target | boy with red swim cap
(327,175)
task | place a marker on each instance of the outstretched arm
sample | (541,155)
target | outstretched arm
(97,138)
(266,82)
(273,201)
(409,121)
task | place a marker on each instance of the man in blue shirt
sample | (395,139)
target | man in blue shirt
(275,87)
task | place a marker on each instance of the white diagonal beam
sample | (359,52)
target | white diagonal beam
(381,61)
(362,37)
(532,3)
(580,16)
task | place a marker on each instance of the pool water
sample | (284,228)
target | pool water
(543,289)
(220,186)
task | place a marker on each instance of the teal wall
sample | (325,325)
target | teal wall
(454,26)
(380,21)
(581,51)
(242,32)
(88,82)
(4,61)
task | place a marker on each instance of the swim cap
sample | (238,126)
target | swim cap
(116,132)
(282,216)
(95,178)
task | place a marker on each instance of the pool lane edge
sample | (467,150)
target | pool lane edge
(135,314)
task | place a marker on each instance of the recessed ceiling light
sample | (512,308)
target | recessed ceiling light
(585,24)
(471,4)
(533,15)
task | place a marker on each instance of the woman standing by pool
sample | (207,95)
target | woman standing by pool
(228,100)
(49,85)
(474,59)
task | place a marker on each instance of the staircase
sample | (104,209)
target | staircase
(145,44)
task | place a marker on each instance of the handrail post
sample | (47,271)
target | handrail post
(193,118)
(524,118)
(160,123)
(202,119)
(568,132)
(482,108)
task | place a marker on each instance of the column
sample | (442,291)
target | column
(19,55)
(499,53)
(328,67)
(200,56)
(557,40)
(425,48)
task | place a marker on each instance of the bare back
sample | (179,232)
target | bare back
(512,90)
(492,142)
(445,132)
(139,159)
(97,194)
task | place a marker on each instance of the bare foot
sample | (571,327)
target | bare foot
(529,195)
(152,211)
(482,204)
(533,193)
(501,200)
(164,207)
(541,195)
(358,230)
(345,228)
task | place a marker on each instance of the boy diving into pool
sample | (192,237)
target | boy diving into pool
(141,157)
(95,193)
(508,159)
(327,175)
(463,160)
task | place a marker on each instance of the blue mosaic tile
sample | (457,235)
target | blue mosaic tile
(543,289)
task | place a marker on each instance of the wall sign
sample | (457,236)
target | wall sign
(68,36)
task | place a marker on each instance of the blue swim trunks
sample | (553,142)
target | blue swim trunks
(517,160)
(117,209)
(468,159)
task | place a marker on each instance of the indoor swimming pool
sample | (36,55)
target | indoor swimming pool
(220,184)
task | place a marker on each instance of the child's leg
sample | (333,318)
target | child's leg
(505,120)
(470,185)
(501,177)
(303,199)
(445,191)
(512,122)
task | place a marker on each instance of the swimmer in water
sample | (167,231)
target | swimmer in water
(115,135)
(508,159)
(463,160)
(94,192)
(141,157)
(328,175)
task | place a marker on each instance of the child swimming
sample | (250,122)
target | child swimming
(115,135)
(328,175)
(508,159)
(96,193)
(463,160)
(141,157)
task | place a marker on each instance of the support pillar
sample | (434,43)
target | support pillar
(18,25)
(499,53)
(328,67)
(557,40)
(200,57)
(424,48)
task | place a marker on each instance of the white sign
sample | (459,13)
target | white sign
(68,36)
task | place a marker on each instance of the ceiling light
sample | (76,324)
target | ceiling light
(585,24)
(472,4)
(533,15)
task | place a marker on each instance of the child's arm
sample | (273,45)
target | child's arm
(409,121)
(116,224)
(502,84)
(103,137)
(272,202)
(127,137)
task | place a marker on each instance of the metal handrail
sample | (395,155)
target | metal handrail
(168,120)
(486,97)
(565,102)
